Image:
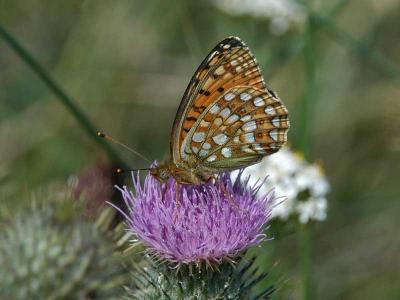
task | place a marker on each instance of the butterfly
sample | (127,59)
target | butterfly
(227,119)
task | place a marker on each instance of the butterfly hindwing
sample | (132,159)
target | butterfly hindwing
(242,126)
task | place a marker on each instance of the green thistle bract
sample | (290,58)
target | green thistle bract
(238,281)
(47,252)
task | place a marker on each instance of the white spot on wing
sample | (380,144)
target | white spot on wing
(206,146)
(212,158)
(245,118)
(234,62)
(245,96)
(276,122)
(249,137)
(218,121)
(270,110)
(204,123)
(229,96)
(220,139)
(232,119)
(249,126)
(226,152)
(215,109)
(199,137)
(220,70)
(203,153)
(274,134)
(225,112)
(258,101)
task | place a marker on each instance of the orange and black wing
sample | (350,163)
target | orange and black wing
(221,99)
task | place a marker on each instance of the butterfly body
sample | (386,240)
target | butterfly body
(182,174)
(227,119)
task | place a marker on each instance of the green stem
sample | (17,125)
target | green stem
(374,57)
(338,7)
(309,96)
(305,244)
(305,144)
(61,95)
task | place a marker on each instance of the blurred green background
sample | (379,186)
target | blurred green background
(127,63)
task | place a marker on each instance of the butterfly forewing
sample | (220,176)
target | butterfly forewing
(228,118)
(228,65)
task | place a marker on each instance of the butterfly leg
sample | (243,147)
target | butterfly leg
(177,202)
(229,198)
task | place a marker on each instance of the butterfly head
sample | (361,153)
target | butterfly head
(161,172)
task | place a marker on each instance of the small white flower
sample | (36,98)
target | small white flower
(301,187)
(312,178)
(283,14)
(312,209)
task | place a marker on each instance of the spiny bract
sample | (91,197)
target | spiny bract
(47,252)
(238,281)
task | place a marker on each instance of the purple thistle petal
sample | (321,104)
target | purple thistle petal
(213,221)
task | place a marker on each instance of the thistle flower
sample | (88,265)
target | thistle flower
(186,224)
(283,14)
(301,187)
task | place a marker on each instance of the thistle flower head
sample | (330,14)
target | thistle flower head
(187,224)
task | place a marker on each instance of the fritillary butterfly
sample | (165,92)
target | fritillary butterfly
(227,119)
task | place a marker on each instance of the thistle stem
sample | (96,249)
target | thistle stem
(82,119)
(306,261)
(375,58)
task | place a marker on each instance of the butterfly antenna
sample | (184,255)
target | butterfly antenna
(111,139)
(122,171)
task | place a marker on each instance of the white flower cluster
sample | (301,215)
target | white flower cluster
(283,14)
(301,187)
